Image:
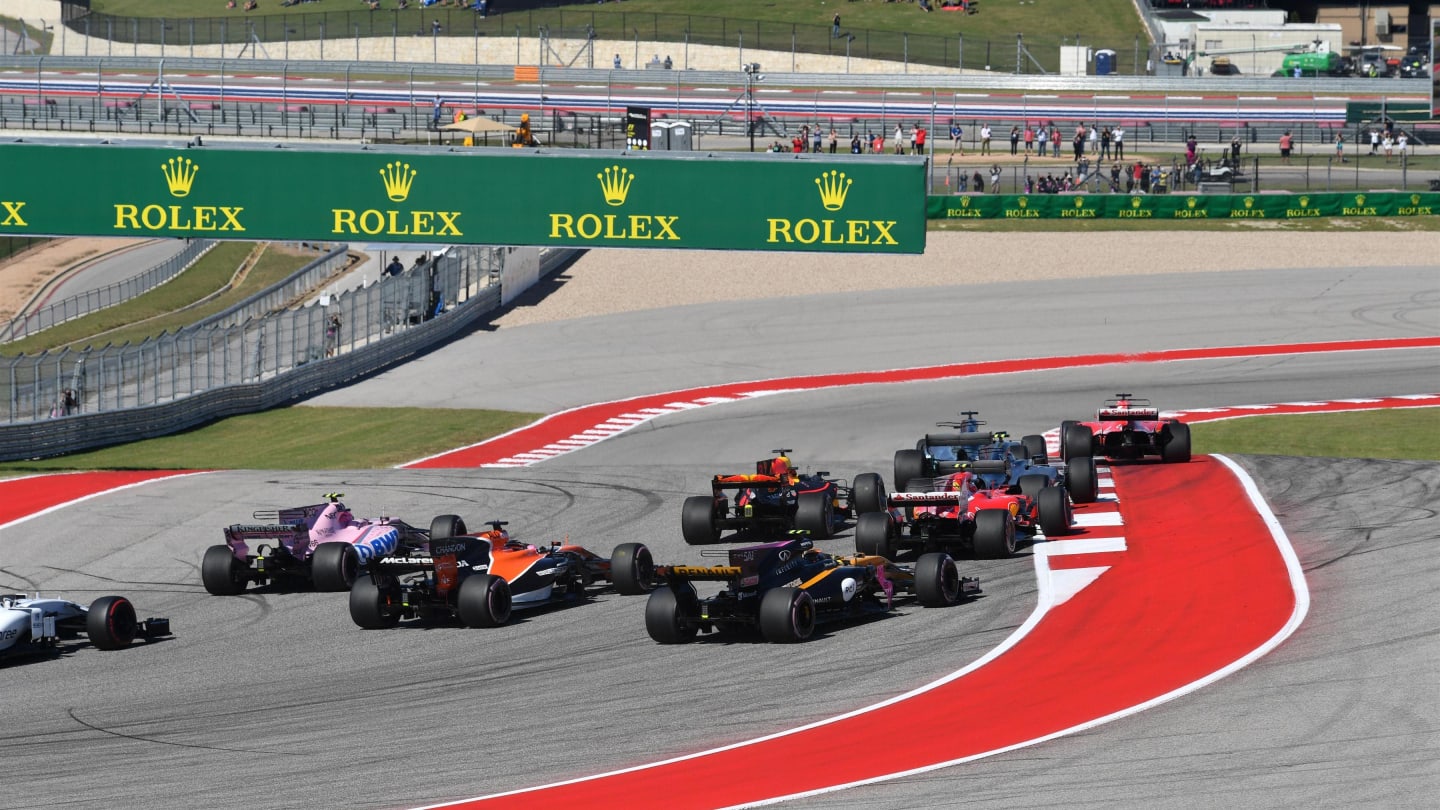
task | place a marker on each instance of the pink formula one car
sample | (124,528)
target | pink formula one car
(323,545)
(1126,428)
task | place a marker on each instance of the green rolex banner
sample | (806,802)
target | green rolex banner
(503,196)
(1184,206)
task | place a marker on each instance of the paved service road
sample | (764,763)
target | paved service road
(275,699)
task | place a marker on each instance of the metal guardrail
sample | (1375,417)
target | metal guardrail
(94,300)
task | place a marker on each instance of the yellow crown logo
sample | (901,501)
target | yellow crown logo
(1135,202)
(1190,202)
(398,177)
(179,175)
(1304,202)
(615,184)
(834,185)
(1249,202)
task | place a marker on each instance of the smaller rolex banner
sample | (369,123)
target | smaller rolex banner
(502,197)
(1184,206)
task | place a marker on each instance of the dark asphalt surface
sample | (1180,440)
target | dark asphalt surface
(276,700)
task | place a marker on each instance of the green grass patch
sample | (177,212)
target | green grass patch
(169,306)
(1412,433)
(298,438)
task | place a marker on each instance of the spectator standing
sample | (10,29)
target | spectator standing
(1118,136)
(1014,140)
(985,139)
(957,136)
(1286,142)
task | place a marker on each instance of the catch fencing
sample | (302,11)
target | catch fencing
(94,300)
(238,349)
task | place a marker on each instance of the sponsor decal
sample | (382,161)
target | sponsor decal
(397,178)
(615,183)
(833,187)
(179,174)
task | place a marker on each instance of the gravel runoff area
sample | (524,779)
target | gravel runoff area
(606,281)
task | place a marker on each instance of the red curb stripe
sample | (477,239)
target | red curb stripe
(1216,585)
(566,424)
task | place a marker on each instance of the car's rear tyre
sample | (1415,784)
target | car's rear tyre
(632,569)
(1055,512)
(937,580)
(370,604)
(909,465)
(994,534)
(110,622)
(1076,441)
(447,526)
(221,573)
(1177,449)
(668,620)
(868,494)
(484,601)
(787,615)
(1081,479)
(813,513)
(1033,484)
(334,566)
(875,535)
(1036,448)
(697,521)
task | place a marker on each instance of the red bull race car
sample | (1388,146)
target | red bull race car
(323,545)
(775,499)
(1127,428)
(786,588)
(479,579)
(963,510)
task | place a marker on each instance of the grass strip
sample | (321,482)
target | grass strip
(298,438)
(1410,433)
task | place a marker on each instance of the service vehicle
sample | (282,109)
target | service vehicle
(1126,428)
(31,625)
(322,545)
(775,499)
(480,579)
(786,588)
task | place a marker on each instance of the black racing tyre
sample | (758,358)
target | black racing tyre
(1177,449)
(370,603)
(667,617)
(1054,509)
(1036,449)
(447,526)
(221,573)
(813,511)
(868,493)
(1033,484)
(483,601)
(787,615)
(1078,441)
(875,535)
(632,569)
(1081,479)
(111,623)
(937,580)
(994,534)
(697,521)
(909,464)
(334,566)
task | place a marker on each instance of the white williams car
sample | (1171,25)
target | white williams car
(39,624)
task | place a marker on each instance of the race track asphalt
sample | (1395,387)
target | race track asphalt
(276,700)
